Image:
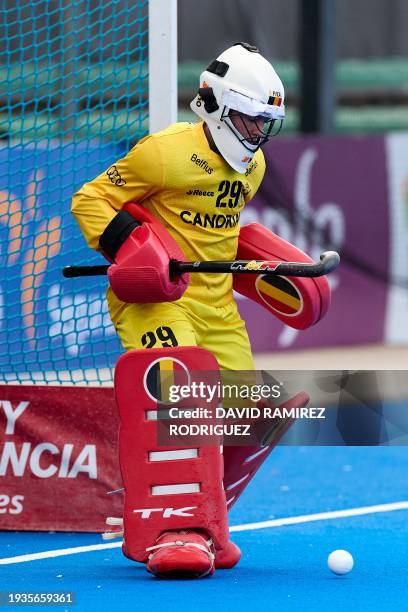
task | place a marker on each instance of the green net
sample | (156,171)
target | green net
(73,97)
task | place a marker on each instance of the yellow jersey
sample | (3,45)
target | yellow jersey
(191,189)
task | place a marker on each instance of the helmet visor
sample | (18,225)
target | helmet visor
(249,106)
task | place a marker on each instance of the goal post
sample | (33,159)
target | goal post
(162,64)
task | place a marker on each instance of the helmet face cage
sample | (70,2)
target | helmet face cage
(266,128)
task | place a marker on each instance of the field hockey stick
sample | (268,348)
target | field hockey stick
(328,262)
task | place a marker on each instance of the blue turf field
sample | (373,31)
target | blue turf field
(283,568)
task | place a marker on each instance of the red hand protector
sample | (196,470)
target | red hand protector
(140,272)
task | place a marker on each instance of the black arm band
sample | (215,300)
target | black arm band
(116,232)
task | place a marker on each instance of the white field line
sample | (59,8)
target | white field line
(291,520)
(322,516)
(48,554)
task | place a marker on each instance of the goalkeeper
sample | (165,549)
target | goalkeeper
(194,179)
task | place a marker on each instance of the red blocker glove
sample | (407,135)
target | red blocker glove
(141,250)
(298,302)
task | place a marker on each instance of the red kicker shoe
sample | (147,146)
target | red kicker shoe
(228,557)
(181,555)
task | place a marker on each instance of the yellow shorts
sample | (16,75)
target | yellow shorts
(186,322)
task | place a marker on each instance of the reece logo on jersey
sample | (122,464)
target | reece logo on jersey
(198,192)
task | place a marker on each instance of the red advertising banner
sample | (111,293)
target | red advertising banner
(58,458)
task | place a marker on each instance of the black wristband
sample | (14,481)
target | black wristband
(116,232)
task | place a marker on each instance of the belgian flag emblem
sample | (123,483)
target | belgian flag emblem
(161,375)
(280,294)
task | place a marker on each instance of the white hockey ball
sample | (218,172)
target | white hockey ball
(340,562)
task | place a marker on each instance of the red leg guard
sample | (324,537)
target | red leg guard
(242,462)
(167,488)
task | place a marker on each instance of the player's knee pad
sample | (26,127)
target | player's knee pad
(167,488)
(298,302)
(242,462)
(141,249)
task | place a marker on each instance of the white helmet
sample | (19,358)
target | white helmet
(241,80)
